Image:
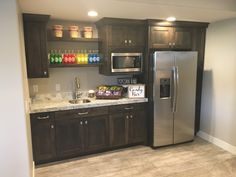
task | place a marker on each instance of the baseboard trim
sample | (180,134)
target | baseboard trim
(222,144)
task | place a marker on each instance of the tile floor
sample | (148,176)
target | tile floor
(195,159)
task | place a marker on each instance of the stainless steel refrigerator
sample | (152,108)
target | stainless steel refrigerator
(174,91)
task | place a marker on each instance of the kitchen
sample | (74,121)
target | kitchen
(218,96)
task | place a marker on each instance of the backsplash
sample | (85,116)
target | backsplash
(64,80)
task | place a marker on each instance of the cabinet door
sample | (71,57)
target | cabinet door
(160,37)
(118,129)
(96,132)
(135,36)
(117,36)
(43,137)
(182,38)
(69,136)
(137,126)
(35,49)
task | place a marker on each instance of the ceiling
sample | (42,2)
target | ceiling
(190,10)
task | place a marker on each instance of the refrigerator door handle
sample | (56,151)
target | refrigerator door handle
(173,89)
(176,87)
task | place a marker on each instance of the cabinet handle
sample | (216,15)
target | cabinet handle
(42,118)
(45,72)
(82,113)
(127,117)
(128,108)
(81,122)
(130,41)
(173,44)
(52,126)
(125,41)
(131,116)
(170,44)
(86,122)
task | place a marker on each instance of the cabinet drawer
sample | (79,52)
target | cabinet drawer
(86,112)
(127,107)
(42,116)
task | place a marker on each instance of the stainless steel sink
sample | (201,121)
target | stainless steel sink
(79,101)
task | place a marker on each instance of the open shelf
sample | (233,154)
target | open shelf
(66,37)
(72,65)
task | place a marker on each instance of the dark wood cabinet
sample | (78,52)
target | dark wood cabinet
(127,124)
(123,36)
(175,38)
(69,136)
(35,36)
(71,133)
(81,130)
(96,133)
(119,35)
(43,136)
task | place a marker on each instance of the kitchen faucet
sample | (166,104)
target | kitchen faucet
(78,93)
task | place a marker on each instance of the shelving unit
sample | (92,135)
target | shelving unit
(72,65)
(68,43)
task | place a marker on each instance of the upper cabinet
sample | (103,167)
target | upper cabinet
(119,36)
(35,36)
(170,37)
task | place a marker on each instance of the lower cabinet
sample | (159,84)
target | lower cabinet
(43,137)
(82,130)
(127,124)
(64,134)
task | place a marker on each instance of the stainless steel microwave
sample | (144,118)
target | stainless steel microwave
(126,62)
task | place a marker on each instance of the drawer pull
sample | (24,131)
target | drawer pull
(86,122)
(127,117)
(81,123)
(131,116)
(82,113)
(42,118)
(129,108)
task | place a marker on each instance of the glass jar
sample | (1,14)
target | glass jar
(74,31)
(88,32)
(57,30)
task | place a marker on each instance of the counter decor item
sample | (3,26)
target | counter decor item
(74,32)
(126,80)
(57,31)
(136,91)
(109,92)
(91,93)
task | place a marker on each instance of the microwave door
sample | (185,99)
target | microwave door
(125,63)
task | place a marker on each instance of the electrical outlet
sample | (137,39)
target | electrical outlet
(35,88)
(58,87)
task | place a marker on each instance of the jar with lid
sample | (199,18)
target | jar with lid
(74,31)
(57,30)
(88,32)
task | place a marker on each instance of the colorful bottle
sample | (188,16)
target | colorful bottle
(51,57)
(59,57)
(85,57)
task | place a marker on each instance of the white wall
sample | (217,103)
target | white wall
(218,112)
(15,159)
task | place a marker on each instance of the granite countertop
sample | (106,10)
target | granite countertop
(47,106)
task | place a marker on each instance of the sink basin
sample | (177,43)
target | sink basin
(79,101)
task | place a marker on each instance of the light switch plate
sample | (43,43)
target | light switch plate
(58,87)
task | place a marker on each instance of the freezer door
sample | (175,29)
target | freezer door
(163,93)
(184,116)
